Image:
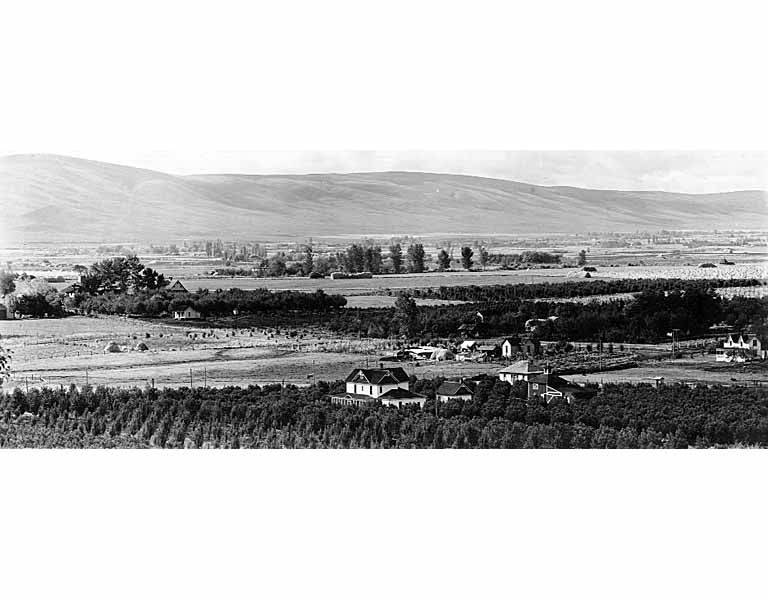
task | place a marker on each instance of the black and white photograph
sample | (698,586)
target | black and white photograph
(386,300)
(363,299)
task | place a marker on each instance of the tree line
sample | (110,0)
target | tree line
(571,289)
(498,416)
(209,303)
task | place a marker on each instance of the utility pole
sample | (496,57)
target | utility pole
(190,378)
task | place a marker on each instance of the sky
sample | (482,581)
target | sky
(491,89)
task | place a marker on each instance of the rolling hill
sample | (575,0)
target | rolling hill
(63,199)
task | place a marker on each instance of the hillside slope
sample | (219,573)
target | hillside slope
(57,198)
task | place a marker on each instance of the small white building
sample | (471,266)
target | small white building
(522,370)
(391,387)
(186,312)
(455,390)
(741,348)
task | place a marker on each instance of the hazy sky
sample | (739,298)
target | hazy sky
(173,90)
(692,172)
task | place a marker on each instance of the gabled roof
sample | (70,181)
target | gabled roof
(522,367)
(185,307)
(558,383)
(378,376)
(456,388)
(488,348)
(177,286)
(399,394)
(515,341)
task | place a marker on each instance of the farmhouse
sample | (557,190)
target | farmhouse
(186,312)
(177,288)
(742,348)
(522,370)
(456,390)
(391,387)
(548,386)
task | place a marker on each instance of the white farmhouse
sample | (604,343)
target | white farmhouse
(522,370)
(741,348)
(186,312)
(388,386)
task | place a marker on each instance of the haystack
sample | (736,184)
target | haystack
(142,347)
(112,347)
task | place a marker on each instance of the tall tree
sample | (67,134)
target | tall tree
(7,283)
(307,264)
(466,257)
(416,256)
(276,265)
(372,259)
(484,256)
(443,260)
(582,258)
(396,256)
(5,365)
(405,314)
(354,259)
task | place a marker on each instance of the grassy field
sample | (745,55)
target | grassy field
(701,369)
(57,352)
(61,351)
(382,283)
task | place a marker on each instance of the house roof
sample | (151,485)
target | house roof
(512,340)
(745,337)
(456,388)
(488,348)
(558,383)
(184,308)
(177,286)
(399,394)
(522,366)
(378,376)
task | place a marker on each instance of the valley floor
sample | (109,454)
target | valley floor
(60,352)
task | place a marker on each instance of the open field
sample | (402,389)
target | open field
(57,352)
(363,293)
(701,369)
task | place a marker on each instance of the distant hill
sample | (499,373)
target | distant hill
(58,198)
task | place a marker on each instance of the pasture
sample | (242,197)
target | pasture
(60,352)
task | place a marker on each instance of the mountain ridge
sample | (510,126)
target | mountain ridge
(60,198)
